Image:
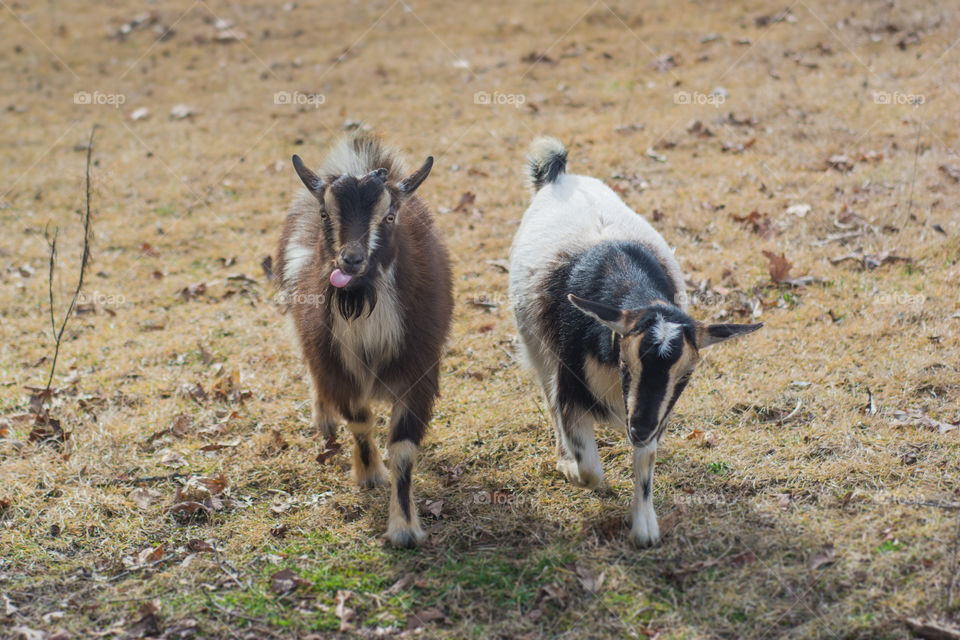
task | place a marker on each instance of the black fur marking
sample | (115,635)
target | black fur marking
(352,301)
(645,485)
(546,170)
(363,447)
(403,487)
(625,275)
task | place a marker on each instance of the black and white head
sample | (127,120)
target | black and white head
(659,349)
(359,216)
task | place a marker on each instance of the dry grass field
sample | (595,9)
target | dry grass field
(807,485)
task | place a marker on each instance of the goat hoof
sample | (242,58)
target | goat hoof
(645,532)
(371,478)
(328,430)
(578,475)
(406,537)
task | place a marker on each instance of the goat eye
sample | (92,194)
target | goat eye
(390,218)
(323,214)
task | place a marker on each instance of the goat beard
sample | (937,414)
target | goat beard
(353,301)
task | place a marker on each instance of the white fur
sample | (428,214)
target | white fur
(296,257)
(369,342)
(663,333)
(571,215)
(644,529)
(345,160)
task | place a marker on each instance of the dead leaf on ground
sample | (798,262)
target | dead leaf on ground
(840,162)
(47,430)
(932,630)
(669,521)
(150,555)
(193,291)
(343,612)
(402,584)
(778,266)
(285,581)
(171,458)
(200,546)
(823,557)
(145,498)
(147,249)
(870,261)
(148,623)
(423,617)
(279,531)
(590,581)
(919,419)
(758,223)
(783,500)
(435,508)
(952,171)
(330,449)
(451,474)
(467,199)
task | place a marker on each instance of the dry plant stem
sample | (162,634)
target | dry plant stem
(58,335)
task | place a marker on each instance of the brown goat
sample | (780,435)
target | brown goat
(366,282)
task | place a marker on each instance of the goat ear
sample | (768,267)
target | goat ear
(408,185)
(714,333)
(617,320)
(310,180)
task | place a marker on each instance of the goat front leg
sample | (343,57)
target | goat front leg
(408,426)
(644,530)
(579,461)
(323,418)
(368,470)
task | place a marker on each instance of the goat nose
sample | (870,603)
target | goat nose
(352,258)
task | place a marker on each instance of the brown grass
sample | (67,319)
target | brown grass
(183,202)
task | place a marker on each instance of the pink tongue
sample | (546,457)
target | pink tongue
(339,278)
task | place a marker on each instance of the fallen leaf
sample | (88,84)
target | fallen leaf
(435,508)
(591,582)
(919,419)
(145,498)
(467,199)
(402,584)
(424,616)
(200,546)
(778,266)
(822,558)
(931,630)
(800,210)
(285,581)
(148,624)
(669,521)
(193,291)
(840,162)
(279,531)
(342,611)
(171,458)
(150,555)
(952,171)
(783,499)
(147,249)
(330,449)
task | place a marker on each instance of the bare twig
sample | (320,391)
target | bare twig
(85,258)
